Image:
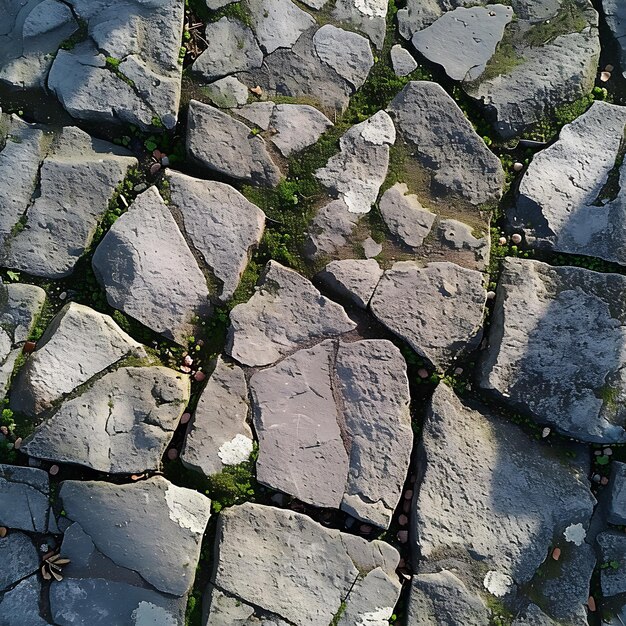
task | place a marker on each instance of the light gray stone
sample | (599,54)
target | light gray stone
(405,216)
(286,312)
(615,15)
(458,236)
(556,348)
(330,230)
(258,113)
(18,559)
(227,93)
(371,248)
(231,48)
(437,309)
(366,16)
(447,147)
(20,605)
(613,561)
(214,5)
(402,61)
(24,495)
(561,203)
(352,279)
(617,502)
(219,434)
(533,616)
(296,126)
(224,145)
(20,310)
(78,344)
(356,173)
(147,270)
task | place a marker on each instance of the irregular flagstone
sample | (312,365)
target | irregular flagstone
(296,126)
(356,173)
(150,527)
(402,61)
(24,493)
(286,312)
(147,270)
(617,500)
(448,149)
(76,181)
(220,223)
(264,559)
(20,306)
(556,348)
(222,144)
(463,40)
(142,84)
(491,496)
(437,309)
(564,203)
(615,15)
(330,230)
(459,236)
(613,557)
(78,344)
(227,93)
(20,605)
(122,424)
(19,558)
(228,609)
(219,434)
(533,616)
(367,16)
(352,279)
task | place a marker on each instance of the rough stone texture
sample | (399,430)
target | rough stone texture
(227,93)
(510,498)
(371,248)
(562,204)
(20,306)
(122,424)
(284,313)
(20,605)
(444,600)
(145,85)
(326,436)
(533,616)
(615,15)
(351,279)
(437,309)
(556,348)
(448,149)
(402,61)
(287,564)
(224,145)
(458,236)
(296,126)
(148,271)
(220,223)
(617,502)
(24,495)
(150,527)
(367,16)
(613,553)
(257,113)
(231,48)
(330,229)
(18,558)
(356,173)
(71,192)
(219,434)
(405,216)
(78,344)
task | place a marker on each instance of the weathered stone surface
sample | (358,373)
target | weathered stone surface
(20,605)
(352,279)
(231,48)
(613,557)
(371,248)
(18,557)
(219,434)
(563,203)
(286,312)
(419,14)
(367,16)
(227,93)
(220,223)
(78,344)
(615,15)
(556,347)
(402,61)
(330,229)
(221,609)
(20,306)
(437,309)
(122,424)
(50,231)
(144,85)
(448,149)
(257,113)
(224,145)
(405,216)
(265,559)
(533,616)
(356,173)
(150,527)
(24,498)
(510,500)
(148,271)
(458,236)
(463,40)
(296,126)
(617,501)
(371,600)
(443,599)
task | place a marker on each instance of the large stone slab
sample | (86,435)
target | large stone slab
(615,15)
(286,312)
(24,493)
(19,559)
(264,559)
(20,605)
(147,270)
(617,499)
(330,230)
(564,203)
(296,126)
(613,554)
(437,310)
(367,17)
(556,348)
(352,279)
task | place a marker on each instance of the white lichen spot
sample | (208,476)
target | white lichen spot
(371,8)
(236,451)
(148,614)
(575,533)
(180,510)
(497,583)
(377,617)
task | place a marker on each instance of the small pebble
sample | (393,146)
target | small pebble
(140,187)
(185,370)
(591,603)
(502,241)
(605,76)
(3,532)
(199,376)
(596,478)
(403,536)
(54,470)
(403,520)
(157,154)
(408,494)
(609,68)
(188,360)
(185,418)
(18,443)
(4,430)
(29,347)
(556,554)
(607,452)
(154,168)
(165,161)
(598,452)
(604,481)
(422,373)
(518,167)
(365,529)
(172,454)
(257,91)
(516,238)
(545,432)
(458,371)
(63,295)
(491,295)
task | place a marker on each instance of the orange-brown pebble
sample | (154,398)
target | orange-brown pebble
(556,554)
(591,603)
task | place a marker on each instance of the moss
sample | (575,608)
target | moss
(505,59)
(570,19)
(338,615)
(76,37)
(235,10)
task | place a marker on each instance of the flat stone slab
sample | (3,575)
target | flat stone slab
(78,344)
(220,223)
(326,436)
(615,15)
(617,501)
(437,310)
(613,559)
(352,279)
(286,312)
(459,237)
(19,558)
(447,148)
(263,558)
(219,435)
(402,61)
(147,270)
(24,493)
(227,93)
(554,348)
(296,126)
(563,201)
(121,424)
(330,230)
(368,17)
(20,605)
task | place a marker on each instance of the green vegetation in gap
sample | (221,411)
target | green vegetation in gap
(235,10)
(338,615)
(504,60)
(77,37)
(193,614)
(500,615)
(570,19)
(113,65)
